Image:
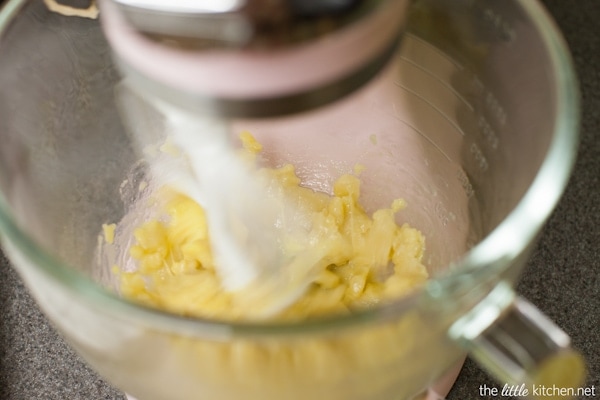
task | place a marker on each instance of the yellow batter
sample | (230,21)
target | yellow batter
(368,258)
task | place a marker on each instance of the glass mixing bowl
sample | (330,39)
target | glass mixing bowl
(473,123)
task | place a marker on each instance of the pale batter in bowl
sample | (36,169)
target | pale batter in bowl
(368,258)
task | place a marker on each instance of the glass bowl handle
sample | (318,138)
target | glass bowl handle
(518,345)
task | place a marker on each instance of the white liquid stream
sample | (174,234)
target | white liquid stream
(247,216)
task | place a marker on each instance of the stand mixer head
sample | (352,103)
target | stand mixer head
(253,58)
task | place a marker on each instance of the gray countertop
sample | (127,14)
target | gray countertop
(562,278)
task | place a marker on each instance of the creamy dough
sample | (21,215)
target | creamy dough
(369,258)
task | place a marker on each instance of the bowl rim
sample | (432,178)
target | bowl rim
(509,239)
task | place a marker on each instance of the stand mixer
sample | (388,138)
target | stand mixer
(248,59)
(442,122)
